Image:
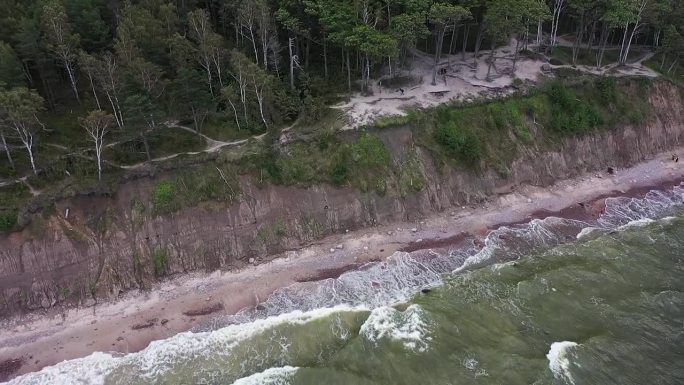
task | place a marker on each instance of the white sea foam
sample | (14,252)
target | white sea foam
(559,359)
(271,376)
(92,369)
(160,356)
(587,231)
(637,223)
(410,327)
(513,242)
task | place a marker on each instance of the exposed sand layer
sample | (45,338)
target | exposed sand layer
(31,342)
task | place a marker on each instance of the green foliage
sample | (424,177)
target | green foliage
(193,186)
(163,196)
(270,233)
(460,142)
(160,262)
(8,221)
(569,113)
(370,161)
(607,88)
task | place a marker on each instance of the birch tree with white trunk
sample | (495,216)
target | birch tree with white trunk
(97,124)
(19,109)
(59,39)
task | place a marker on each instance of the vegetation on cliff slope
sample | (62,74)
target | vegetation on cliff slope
(142,87)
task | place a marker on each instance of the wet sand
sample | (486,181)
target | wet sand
(34,341)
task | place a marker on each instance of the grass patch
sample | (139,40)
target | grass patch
(160,262)
(8,220)
(191,187)
(325,158)
(675,74)
(271,233)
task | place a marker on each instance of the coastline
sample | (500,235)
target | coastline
(138,318)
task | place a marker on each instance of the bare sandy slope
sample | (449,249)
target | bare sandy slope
(45,340)
(465,78)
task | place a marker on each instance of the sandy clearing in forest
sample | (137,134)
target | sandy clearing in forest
(466,78)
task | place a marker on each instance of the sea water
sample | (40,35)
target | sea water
(553,301)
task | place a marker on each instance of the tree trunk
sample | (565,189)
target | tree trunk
(602,45)
(579,35)
(29,149)
(256,53)
(466,31)
(147,146)
(629,42)
(325,58)
(491,62)
(98,154)
(260,99)
(453,39)
(515,55)
(290,41)
(592,35)
(92,87)
(72,79)
(622,45)
(119,122)
(674,63)
(349,84)
(478,41)
(7,150)
(237,120)
(540,35)
(438,53)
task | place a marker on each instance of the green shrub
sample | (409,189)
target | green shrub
(607,87)
(569,113)
(339,173)
(369,153)
(160,262)
(162,196)
(461,143)
(8,221)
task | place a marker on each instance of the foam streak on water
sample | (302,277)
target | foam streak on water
(271,376)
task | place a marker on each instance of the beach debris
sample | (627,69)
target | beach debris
(529,200)
(419,240)
(204,310)
(332,249)
(119,338)
(426,290)
(413,230)
(144,325)
(610,170)
(339,247)
(251,260)
(365,248)
(389,233)
(164,321)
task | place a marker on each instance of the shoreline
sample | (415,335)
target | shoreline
(31,342)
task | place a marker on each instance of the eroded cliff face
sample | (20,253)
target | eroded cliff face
(109,244)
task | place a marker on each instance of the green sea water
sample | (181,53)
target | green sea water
(598,307)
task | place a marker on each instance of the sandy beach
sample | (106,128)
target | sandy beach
(40,339)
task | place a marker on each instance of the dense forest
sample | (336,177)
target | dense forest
(88,73)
